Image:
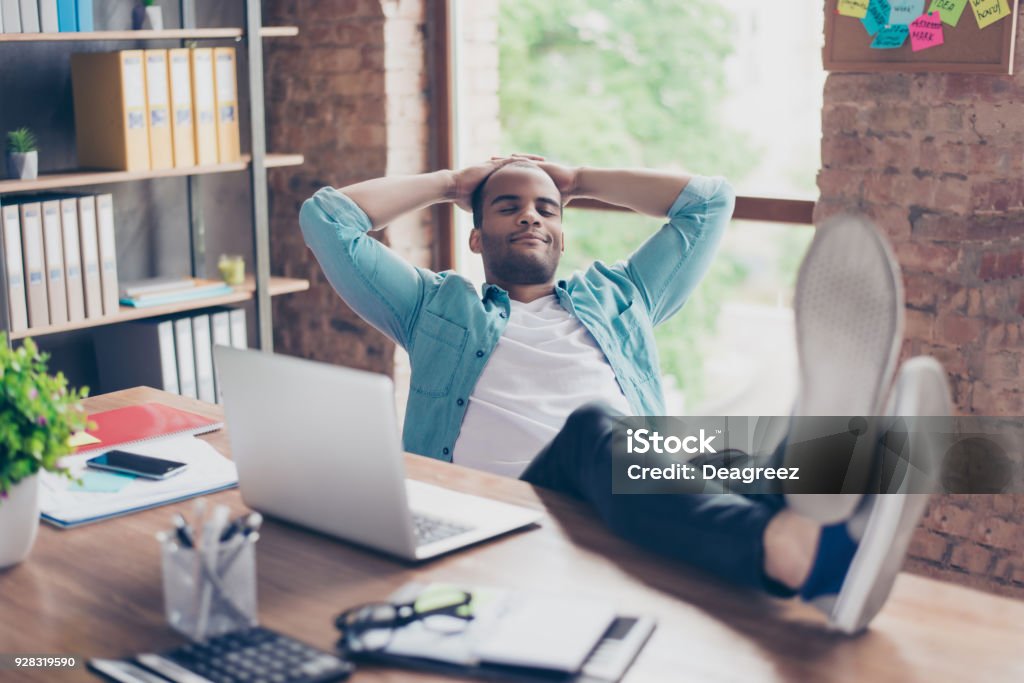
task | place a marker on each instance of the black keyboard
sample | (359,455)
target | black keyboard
(256,655)
(429,529)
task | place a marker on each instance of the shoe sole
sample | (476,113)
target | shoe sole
(921,390)
(847,354)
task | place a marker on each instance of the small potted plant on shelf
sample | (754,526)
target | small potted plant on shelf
(147,15)
(22,154)
(38,415)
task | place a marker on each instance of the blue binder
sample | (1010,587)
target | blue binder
(67,17)
(84,14)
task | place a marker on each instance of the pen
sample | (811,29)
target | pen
(252,523)
(244,524)
(182,531)
(199,510)
(231,530)
(209,548)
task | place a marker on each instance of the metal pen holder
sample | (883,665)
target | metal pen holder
(208,594)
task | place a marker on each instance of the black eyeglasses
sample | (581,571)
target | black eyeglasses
(370,627)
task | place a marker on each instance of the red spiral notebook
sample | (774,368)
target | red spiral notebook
(144,422)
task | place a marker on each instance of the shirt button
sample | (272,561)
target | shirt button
(460,402)
(479,354)
(501,315)
(445,451)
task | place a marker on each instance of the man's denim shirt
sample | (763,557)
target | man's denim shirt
(450,331)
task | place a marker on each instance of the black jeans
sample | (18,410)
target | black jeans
(719,533)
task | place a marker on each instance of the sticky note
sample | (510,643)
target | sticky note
(101,482)
(82,439)
(853,8)
(949,9)
(926,32)
(877,16)
(891,37)
(905,11)
(988,12)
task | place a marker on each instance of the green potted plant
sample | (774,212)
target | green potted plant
(38,415)
(22,154)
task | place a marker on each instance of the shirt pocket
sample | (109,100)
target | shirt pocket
(436,354)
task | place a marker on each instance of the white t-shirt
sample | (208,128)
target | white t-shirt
(545,365)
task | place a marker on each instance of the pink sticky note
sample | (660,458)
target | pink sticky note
(926,31)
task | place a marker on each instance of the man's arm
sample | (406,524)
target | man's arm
(667,267)
(380,286)
(643,191)
(385,199)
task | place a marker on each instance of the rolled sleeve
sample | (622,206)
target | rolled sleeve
(668,266)
(376,283)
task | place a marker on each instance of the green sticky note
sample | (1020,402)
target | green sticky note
(988,12)
(949,10)
(853,8)
(101,482)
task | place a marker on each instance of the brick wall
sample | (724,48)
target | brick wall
(936,160)
(349,92)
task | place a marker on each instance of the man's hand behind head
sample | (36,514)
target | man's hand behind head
(466,180)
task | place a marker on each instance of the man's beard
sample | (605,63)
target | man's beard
(515,267)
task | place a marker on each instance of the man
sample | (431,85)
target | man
(496,377)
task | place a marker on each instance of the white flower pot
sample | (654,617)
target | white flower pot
(155,18)
(23,166)
(19,521)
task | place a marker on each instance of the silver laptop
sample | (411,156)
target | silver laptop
(317,445)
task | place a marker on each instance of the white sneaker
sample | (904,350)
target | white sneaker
(880,531)
(849,326)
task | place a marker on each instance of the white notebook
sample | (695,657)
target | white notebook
(63,503)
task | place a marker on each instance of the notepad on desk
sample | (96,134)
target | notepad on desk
(520,635)
(66,504)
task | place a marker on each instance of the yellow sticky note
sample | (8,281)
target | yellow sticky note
(855,8)
(82,439)
(988,12)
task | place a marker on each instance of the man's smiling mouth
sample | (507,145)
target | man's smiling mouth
(530,239)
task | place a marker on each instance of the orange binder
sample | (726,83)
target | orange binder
(158,110)
(228,145)
(53,249)
(204,105)
(73,275)
(109,92)
(107,252)
(182,130)
(89,240)
(35,266)
(11,236)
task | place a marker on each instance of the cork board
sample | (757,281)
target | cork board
(966,48)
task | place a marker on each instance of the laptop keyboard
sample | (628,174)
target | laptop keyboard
(429,529)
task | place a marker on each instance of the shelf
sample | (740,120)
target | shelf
(279,160)
(278,286)
(168,34)
(279,31)
(53,181)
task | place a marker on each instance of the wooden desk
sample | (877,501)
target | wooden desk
(95,591)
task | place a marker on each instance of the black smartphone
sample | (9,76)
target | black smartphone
(133,463)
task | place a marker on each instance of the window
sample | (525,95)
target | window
(719,87)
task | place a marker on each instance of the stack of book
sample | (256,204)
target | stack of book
(172,353)
(61,259)
(46,16)
(138,110)
(170,290)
